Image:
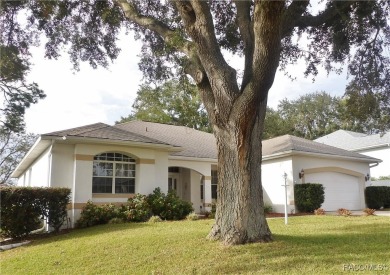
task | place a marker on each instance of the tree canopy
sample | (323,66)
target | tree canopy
(173,102)
(189,37)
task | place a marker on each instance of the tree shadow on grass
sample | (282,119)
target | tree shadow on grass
(82,233)
(322,253)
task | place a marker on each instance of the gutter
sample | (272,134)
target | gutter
(294,152)
(370,147)
(69,139)
(375,164)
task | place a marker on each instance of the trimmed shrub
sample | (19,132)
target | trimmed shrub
(319,212)
(369,212)
(154,219)
(93,214)
(309,196)
(267,209)
(22,208)
(56,201)
(377,196)
(192,217)
(168,207)
(137,209)
(344,212)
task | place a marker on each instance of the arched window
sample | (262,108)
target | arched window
(113,173)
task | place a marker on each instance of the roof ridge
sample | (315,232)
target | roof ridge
(76,128)
(105,126)
(139,135)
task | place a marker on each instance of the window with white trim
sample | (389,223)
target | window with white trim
(113,173)
(214,184)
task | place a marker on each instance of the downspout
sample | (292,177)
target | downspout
(46,224)
(50,164)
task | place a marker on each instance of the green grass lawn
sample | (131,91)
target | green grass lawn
(307,245)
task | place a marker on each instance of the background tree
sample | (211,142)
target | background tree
(17,93)
(187,37)
(310,116)
(13,147)
(173,102)
(275,125)
(366,112)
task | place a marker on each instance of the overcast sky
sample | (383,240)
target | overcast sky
(104,95)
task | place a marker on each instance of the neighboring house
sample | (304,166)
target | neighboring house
(109,164)
(376,146)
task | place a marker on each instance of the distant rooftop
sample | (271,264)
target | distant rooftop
(355,141)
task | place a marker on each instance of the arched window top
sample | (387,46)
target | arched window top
(113,157)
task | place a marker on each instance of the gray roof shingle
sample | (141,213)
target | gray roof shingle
(291,143)
(203,145)
(104,131)
(354,141)
(198,144)
(195,143)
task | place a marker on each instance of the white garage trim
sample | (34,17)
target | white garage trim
(343,188)
(334,169)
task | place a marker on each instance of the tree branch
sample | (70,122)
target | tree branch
(156,26)
(292,16)
(246,30)
(198,22)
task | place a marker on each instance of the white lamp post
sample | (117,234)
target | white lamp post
(285,193)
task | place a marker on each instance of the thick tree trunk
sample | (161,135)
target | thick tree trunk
(240,209)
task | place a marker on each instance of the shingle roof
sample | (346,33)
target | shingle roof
(288,143)
(195,143)
(199,144)
(354,141)
(203,145)
(104,131)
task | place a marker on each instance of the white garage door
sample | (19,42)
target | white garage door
(341,190)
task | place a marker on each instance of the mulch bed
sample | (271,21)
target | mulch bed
(279,215)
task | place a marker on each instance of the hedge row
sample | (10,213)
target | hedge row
(138,209)
(309,196)
(377,196)
(22,208)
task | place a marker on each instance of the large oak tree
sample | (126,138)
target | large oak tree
(188,37)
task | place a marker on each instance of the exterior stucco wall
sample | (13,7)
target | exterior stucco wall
(37,175)
(335,166)
(62,168)
(382,153)
(272,181)
(197,203)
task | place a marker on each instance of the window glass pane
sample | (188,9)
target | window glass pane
(214,191)
(110,156)
(100,157)
(124,170)
(102,169)
(101,185)
(124,185)
(128,159)
(214,177)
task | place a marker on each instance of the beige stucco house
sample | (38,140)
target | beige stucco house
(109,164)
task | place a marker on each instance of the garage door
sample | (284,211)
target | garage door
(341,190)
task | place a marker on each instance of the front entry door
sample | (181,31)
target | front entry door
(172,183)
